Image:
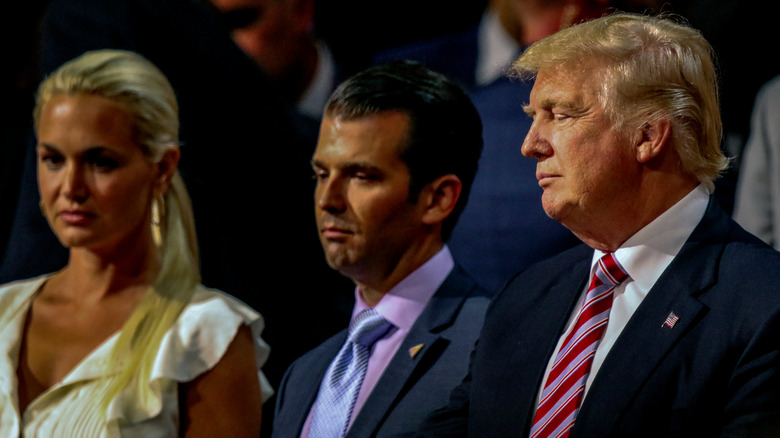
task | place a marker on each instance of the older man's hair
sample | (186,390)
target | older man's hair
(656,68)
(445,130)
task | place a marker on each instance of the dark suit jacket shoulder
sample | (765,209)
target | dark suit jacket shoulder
(411,387)
(454,56)
(503,228)
(714,373)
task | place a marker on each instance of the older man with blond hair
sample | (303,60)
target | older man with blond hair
(666,322)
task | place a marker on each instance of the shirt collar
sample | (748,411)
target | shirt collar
(402,304)
(646,254)
(496,49)
(312,101)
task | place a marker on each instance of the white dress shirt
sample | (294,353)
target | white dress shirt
(644,256)
(312,101)
(496,49)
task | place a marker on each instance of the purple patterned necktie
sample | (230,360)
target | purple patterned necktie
(341,384)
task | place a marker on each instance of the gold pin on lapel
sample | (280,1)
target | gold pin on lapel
(414,350)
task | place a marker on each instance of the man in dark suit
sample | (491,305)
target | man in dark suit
(677,333)
(280,36)
(397,153)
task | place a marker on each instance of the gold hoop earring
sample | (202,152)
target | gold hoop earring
(158,214)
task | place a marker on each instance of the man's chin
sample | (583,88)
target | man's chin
(337,260)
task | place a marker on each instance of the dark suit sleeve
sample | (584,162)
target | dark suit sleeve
(283,426)
(280,393)
(753,408)
(451,420)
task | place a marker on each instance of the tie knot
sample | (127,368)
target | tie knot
(368,327)
(610,271)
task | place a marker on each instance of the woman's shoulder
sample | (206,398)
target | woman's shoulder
(212,303)
(208,324)
(192,346)
(15,294)
(17,286)
(203,333)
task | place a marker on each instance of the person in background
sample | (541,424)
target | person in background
(123,340)
(279,35)
(757,203)
(483,53)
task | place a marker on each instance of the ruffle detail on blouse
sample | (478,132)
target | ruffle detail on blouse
(192,346)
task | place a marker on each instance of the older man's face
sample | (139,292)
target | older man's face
(584,166)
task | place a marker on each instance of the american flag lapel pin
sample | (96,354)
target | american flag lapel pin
(671,320)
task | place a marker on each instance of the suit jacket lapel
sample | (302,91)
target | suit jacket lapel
(646,340)
(529,357)
(399,374)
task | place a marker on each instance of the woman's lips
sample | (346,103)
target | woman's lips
(75,217)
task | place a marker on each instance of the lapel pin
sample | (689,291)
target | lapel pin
(671,320)
(414,350)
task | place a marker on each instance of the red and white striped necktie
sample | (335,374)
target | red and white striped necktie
(565,388)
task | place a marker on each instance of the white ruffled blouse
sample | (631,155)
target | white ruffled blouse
(192,346)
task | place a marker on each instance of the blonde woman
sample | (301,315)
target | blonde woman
(123,341)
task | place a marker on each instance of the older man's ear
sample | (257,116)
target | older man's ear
(652,138)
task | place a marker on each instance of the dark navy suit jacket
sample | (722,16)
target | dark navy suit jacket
(715,373)
(410,388)
(504,228)
(454,56)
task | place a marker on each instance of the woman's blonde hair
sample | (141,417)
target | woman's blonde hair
(655,68)
(148,98)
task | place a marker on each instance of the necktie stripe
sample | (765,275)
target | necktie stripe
(564,390)
(585,332)
(563,409)
(597,305)
(575,338)
(569,370)
(570,384)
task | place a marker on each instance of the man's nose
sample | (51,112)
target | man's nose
(536,144)
(331,196)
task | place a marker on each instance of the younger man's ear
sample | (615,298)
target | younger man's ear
(441,197)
